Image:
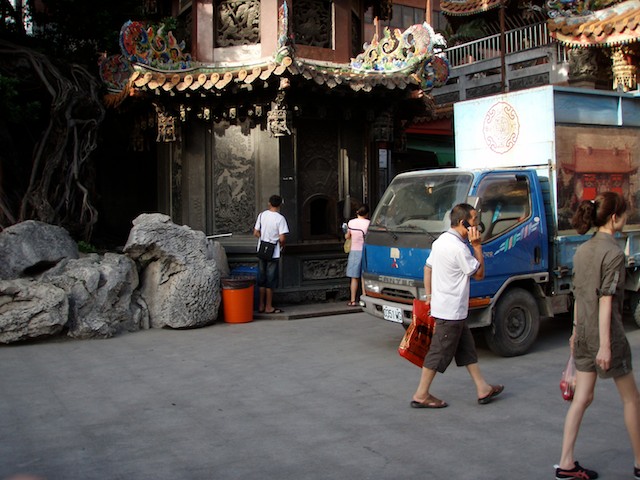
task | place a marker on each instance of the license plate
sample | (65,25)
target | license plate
(393,314)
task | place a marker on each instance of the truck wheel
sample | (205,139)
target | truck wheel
(634,304)
(515,324)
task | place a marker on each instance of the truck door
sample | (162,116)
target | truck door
(512,221)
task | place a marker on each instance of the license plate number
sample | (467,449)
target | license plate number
(393,314)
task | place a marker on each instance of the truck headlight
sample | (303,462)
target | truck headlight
(372,286)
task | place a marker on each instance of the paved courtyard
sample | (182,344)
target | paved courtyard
(315,398)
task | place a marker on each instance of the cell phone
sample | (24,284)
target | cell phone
(466,224)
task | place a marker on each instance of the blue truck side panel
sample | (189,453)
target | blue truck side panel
(522,250)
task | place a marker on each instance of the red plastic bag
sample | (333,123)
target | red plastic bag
(568,380)
(417,339)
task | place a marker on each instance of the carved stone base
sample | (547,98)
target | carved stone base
(320,295)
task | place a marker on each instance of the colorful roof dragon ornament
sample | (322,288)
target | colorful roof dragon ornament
(150,46)
(416,50)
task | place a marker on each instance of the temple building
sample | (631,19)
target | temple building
(612,32)
(273,97)
(323,102)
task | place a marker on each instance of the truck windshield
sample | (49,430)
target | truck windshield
(421,202)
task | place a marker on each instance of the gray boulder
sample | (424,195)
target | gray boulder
(31,247)
(103,300)
(31,309)
(217,252)
(179,279)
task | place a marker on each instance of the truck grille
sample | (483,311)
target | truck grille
(399,295)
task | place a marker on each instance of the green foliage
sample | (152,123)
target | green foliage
(86,247)
(79,30)
(468,32)
(170,24)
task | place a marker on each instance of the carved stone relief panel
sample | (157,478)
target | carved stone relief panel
(483,91)
(313,23)
(447,98)
(582,64)
(323,269)
(237,22)
(529,82)
(234,181)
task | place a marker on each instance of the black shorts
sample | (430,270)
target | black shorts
(451,339)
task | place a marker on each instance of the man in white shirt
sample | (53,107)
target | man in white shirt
(447,277)
(271,226)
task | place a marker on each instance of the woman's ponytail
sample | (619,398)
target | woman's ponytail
(597,213)
(584,217)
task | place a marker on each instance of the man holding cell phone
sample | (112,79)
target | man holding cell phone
(447,277)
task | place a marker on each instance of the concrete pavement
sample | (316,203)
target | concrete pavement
(315,398)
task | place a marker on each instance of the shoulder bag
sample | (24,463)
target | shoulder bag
(347,245)
(266,250)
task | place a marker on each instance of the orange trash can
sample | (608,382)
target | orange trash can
(237,299)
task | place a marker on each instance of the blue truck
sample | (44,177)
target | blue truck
(525,160)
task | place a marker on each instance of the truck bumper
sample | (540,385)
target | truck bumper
(377,307)
(387,310)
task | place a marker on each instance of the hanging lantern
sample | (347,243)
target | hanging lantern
(625,73)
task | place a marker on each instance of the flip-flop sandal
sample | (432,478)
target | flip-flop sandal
(275,310)
(431,403)
(495,391)
(353,304)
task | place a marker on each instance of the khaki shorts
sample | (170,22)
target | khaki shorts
(585,350)
(451,339)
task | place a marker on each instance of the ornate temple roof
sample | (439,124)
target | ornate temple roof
(210,79)
(468,7)
(616,25)
(396,61)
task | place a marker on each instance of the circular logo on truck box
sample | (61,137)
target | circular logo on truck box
(501,127)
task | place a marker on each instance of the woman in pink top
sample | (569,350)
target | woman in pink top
(356,230)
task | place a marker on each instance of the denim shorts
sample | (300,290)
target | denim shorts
(268,273)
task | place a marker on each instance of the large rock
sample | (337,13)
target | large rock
(216,251)
(32,247)
(103,300)
(31,309)
(180,281)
